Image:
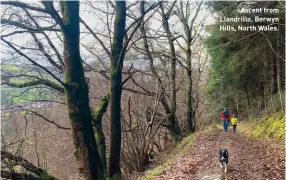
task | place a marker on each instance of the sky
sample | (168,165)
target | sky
(95,19)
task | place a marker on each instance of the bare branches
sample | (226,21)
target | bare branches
(149,83)
(50,43)
(96,37)
(23,26)
(52,11)
(49,58)
(24,5)
(31,112)
(195,16)
(146,46)
(170,10)
(139,21)
(138,92)
(32,61)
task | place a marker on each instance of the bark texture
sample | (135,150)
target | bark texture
(117,57)
(99,135)
(76,89)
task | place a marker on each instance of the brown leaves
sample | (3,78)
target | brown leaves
(249,159)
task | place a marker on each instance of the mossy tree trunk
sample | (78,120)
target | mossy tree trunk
(117,57)
(76,89)
(97,126)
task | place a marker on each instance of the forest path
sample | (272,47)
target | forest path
(249,159)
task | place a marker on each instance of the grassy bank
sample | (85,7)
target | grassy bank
(169,156)
(269,127)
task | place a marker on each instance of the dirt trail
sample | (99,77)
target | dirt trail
(250,159)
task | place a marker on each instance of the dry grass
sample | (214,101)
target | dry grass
(169,156)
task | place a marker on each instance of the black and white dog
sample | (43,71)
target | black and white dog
(223,158)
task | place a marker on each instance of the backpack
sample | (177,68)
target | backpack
(226,114)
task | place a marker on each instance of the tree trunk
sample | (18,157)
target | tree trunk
(99,135)
(173,105)
(262,94)
(278,63)
(117,58)
(247,97)
(188,29)
(273,75)
(86,152)
(279,70)
(172,122)
(190,118)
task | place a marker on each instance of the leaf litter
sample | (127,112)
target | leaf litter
(250,159)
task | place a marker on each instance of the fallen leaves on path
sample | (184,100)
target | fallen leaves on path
(250,159)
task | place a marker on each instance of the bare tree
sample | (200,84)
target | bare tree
(191,33)
(74,86)
(171,123)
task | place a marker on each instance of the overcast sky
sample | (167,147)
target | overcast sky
(95,19)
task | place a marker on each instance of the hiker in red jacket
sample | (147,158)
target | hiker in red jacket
(225,116)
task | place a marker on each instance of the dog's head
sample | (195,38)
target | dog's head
(223,154)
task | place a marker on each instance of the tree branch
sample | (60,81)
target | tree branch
(35,83)
(24,5)
(48,39)
(46,119)
(17,176)
(52,11)
(19,25)
(32,61)
(96,37)
(49,58)
(17,160)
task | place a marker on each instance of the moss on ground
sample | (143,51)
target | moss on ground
(270,127)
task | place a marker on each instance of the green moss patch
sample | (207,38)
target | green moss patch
(271,127)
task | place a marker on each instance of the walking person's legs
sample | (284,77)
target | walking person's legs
(225,125)
(234,127)
(226,121)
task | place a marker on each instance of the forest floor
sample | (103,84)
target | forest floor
(249,159)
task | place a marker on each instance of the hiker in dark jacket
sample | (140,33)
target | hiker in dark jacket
(225,116)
